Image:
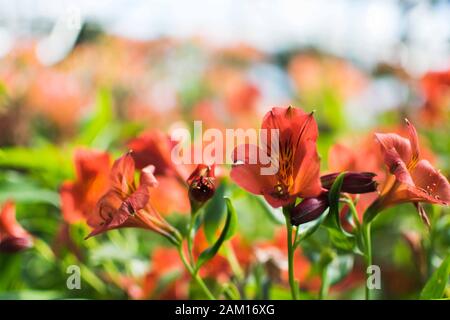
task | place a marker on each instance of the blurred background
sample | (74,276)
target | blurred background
(96,74)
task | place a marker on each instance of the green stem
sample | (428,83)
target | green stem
(291,250)
(325,285)
(190,236)
(195,275)
(233,261)
(368,253)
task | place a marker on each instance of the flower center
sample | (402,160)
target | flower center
(285,171)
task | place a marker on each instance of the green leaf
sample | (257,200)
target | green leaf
(333,198)
(340,267)
(338,236)
(307,229)
(98,130)
(435,287)
(227,231)
(275,215)
(214,212)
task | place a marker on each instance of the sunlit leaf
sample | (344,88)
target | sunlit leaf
(435,287)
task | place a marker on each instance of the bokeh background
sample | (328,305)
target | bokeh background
(96,74)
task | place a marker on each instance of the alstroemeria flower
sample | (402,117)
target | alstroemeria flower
(13,238)
(154,147)
(436,90)
(298,162)
(201,184)
(412,179)
(126,204)
(79,197)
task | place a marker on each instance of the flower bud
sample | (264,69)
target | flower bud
(353,182)
(309,209)
(201,185)
(15,244)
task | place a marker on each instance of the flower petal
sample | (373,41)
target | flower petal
(401,146)
(122,173)
(307,171)
(431,182)
(246,172)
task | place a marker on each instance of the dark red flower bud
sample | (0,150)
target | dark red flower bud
(201,184)
(14,244)
(309,209)
(354,182)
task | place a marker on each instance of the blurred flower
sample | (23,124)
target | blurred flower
(201,185)
(411,179)
(13,238)
(79,197)
(166,278)
(436,89)
(274,256)
(165,262)
(298,161)
(127,205)
(218,267)
(314,74)
(58,96)
(154,147)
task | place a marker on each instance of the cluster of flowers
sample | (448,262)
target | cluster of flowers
(109,196)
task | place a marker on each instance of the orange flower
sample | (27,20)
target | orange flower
(13,238)
(166,261)
(79,197)
(436,89)
(411,179)
(274,254)
(154,147)
(298,162)
(127,205)
(219,267)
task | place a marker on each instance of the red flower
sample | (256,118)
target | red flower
(127,205)
(79,197)
(298,162)
(436,90)
(13,237)
(154,147)
(411,179)
(201,185)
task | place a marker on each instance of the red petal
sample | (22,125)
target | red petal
(69,208)
(392,141)
(293,124)
(432,182)
(414,140)
(248,175)
(8,223)
(122,173)
(307,171)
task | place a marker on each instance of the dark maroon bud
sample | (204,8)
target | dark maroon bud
(201,185)
(309,209)
(354,182)
(14,244)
